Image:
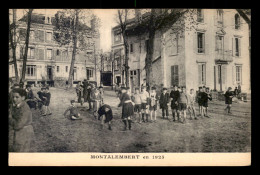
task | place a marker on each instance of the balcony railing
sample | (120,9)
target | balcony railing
(223,55)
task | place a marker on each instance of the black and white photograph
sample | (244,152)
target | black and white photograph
(110,82)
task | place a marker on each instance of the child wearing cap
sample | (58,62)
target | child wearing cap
(175,95)
(200,101)
(136,98)
(164,100)
(153,104)
(74,113)
(205,103)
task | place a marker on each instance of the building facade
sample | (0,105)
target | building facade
(49,61)
(214,54)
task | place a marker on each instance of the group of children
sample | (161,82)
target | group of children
(144,104)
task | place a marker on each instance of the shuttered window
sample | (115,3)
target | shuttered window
(236,42)
(238,74)
(201,42)
(41,35)
(202,74)
(175,75)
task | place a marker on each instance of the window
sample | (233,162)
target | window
(58,68)
(64,55)
(135,72)
(30,70)
(49,54)
(89,73)
(117,36)
(58,52)
(116,67)
(200,16)
(174,75)
(66,68)
(48,36)
(237,47)
(30,54)
(201,40)
(237,21)
(202,74)
(220,16)
(238,74)
(40,54)
(131,72)
(131,48)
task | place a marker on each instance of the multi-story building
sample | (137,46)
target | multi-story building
(214,54)
(49,61)
(106,69)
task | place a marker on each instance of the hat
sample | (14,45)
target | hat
(100,87)
(123,88)
(200,87)
(153,88)
(164,88)
(207,87)
(28,85)
(72,101)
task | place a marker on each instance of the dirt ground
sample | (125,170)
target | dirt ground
(220,133)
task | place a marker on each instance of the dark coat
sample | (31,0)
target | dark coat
(164,100)
(127,108)
(109,114)
(228,98)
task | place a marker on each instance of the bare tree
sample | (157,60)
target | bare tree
(13,42)
(26,45)
(71,30)
(122,16)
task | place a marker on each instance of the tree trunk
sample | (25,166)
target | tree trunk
(149,54)
(126,62)
(14,44)
(26,45)
(74,50)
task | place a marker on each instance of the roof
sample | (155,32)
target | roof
(40,19)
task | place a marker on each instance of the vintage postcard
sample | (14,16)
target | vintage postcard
(129,87)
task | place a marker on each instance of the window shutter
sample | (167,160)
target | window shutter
(199,73)
(223,71)
(41,54)
(216,42)
(204,73)
(195,43)
(176,75)
(239,46)
(52,54)
(203,43)
(234,74)
(233,47)
(36,53)
(241,75)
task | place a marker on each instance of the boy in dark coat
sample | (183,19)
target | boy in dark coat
(41,101)
(205,103)
(175,95)
(105,115)
(200,101)
(228,99)
(127,108)
(20,123)
(164,100)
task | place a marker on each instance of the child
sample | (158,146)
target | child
(136,98)
(74,113)
(175,95)
(47,99)
(127,108)
(190,104)
(20,121)
(205,103)
(164,100)
(153,104)
(144,107)
(95,97)
(41,101)
(228,99)
(31,97)
(105,115)
(200,101)
(183,104)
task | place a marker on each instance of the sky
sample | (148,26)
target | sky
(107,17)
